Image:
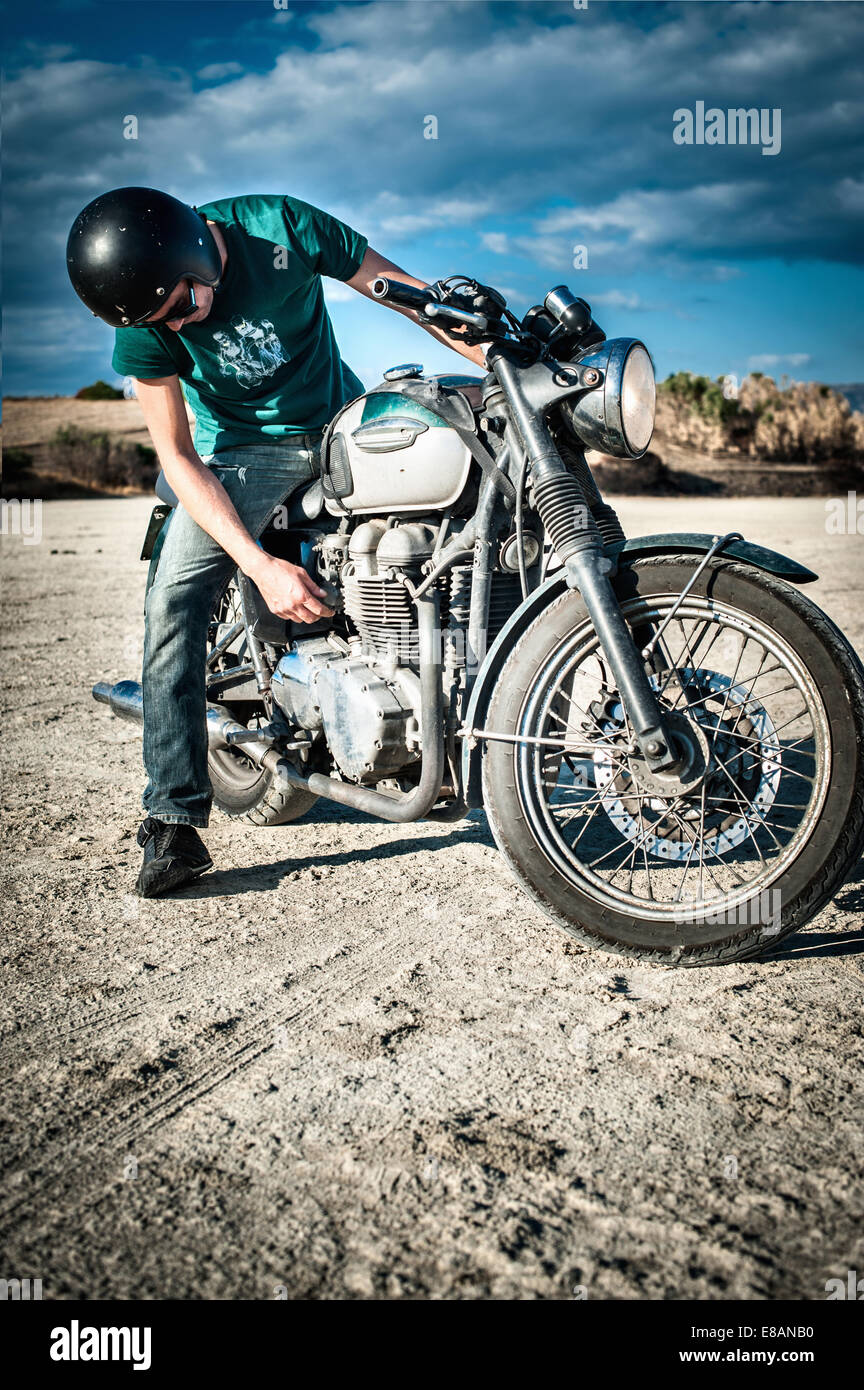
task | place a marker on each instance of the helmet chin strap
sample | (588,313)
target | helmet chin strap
(221,248)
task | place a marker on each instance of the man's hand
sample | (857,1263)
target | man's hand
(288,590)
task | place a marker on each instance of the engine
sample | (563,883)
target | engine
(376,599)
(363,691)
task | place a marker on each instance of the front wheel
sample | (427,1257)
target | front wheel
(766,824)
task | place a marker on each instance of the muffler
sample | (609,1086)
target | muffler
(125,699)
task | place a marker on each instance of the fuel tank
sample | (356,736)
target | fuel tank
(390,453)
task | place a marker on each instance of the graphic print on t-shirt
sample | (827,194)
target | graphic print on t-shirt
(250,352)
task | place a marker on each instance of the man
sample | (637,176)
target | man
(228,299)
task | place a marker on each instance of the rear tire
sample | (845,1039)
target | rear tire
(242,790)
(265,799)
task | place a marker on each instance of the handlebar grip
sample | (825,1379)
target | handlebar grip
(397,293)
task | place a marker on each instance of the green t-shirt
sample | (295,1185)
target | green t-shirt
(265,362)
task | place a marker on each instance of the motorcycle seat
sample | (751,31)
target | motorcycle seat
(165,492)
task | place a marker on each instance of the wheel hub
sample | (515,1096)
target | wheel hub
(696,811)
(691,743)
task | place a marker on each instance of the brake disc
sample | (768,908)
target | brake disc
(746,754)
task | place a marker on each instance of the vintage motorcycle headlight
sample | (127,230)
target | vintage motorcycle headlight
(617,417)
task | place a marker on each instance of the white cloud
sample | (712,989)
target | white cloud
(721,274)
(214,72)
(498,242)
(619,299)
(851,194)
(656,217)
(336,292)
(322,108)
(415,217)
(337,121)
(766,360)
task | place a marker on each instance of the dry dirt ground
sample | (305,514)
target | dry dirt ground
(354,1061)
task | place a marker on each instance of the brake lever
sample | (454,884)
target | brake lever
(479,322)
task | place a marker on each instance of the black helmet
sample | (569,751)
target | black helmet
(130,247)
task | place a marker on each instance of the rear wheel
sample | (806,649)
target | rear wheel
(241,789)
(768,820)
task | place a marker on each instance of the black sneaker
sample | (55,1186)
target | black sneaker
(173,854)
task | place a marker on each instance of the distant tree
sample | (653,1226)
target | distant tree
(99,391)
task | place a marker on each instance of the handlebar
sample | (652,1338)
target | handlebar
(397,293)
(426,302)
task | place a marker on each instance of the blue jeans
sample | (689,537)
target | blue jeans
(192,571)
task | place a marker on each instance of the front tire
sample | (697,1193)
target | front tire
(782,814)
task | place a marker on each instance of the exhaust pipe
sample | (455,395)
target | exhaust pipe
(126,700)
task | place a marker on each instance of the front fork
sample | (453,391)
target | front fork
(563,508)
(589,571)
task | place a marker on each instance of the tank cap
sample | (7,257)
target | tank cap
(407,369)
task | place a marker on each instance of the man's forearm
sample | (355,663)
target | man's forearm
(374,265)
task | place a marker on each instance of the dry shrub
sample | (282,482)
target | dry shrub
(794,422)
(804,421)
(692,411)
(99,391)
(98,461)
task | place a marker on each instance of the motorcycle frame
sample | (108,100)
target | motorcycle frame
(524,448)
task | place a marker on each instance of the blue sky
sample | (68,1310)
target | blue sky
(554,130)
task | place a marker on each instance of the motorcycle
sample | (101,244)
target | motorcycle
(666,735)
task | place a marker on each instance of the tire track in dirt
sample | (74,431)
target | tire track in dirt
(146,1113)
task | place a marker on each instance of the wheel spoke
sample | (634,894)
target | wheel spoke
(720,859)
(691,655)
(700,837)
(614,830)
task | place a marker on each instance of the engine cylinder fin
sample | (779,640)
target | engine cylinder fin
(381,610)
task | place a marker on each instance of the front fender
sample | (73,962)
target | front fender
(668,542)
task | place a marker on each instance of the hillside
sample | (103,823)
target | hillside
(796,439)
